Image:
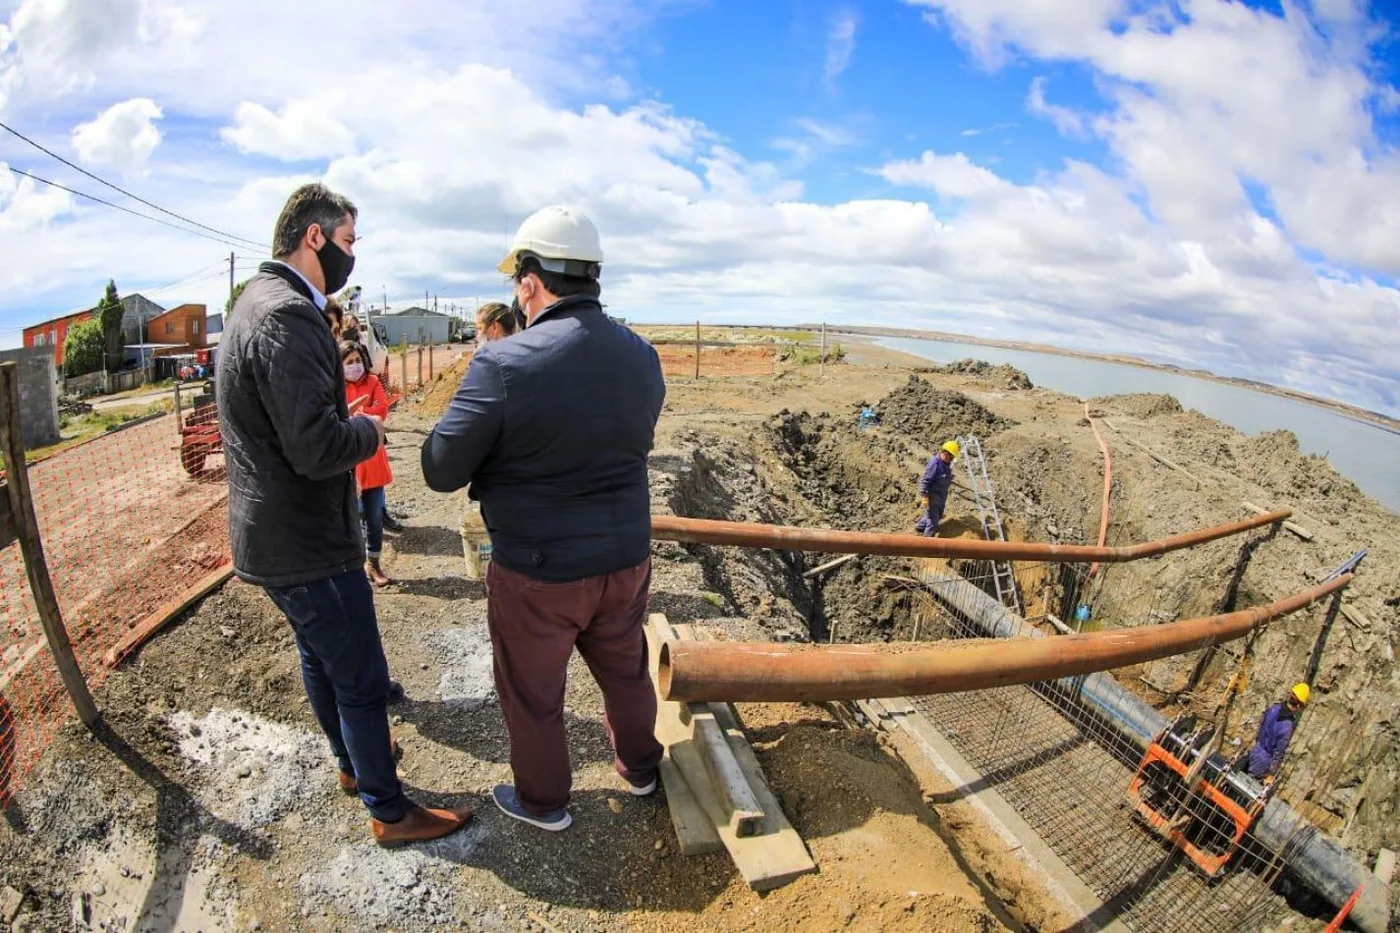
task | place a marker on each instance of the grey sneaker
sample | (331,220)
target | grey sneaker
(506,801)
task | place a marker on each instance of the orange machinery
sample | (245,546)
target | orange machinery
(1209,821)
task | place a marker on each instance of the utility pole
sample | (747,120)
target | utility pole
(230,280)
(386,298)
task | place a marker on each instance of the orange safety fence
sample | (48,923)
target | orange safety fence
(129,519)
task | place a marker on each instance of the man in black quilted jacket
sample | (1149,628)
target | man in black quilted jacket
(291,447)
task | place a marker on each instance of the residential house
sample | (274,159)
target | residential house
(54,333)
(185,328)
(137,309)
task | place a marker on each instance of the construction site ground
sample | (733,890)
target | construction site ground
(206,798)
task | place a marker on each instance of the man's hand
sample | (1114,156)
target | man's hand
(923,502)
(1269,780)
(378,423)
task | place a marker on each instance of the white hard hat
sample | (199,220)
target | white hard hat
(562,239)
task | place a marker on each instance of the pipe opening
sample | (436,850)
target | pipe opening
(663,671)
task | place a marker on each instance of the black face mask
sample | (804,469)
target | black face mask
(336,265)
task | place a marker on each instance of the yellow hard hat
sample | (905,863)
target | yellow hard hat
(1301,692)
(952,448)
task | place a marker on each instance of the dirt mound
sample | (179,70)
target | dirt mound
(1275,461)
(438,393)
(1140,404)
(1003,375)
(933,415)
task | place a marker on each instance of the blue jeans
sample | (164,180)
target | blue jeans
(347,681)
(372,511)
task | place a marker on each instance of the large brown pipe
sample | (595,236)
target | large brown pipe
(696,672)
(786,538)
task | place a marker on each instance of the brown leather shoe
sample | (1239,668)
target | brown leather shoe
(350,786)
(420,825)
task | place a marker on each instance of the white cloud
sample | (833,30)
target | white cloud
(1065,120)
(1221,93)
(983,130)
(447,136)
(123,135)
(840,44)
(303,130)
(952,176)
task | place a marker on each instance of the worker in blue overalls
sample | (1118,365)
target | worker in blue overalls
(933,488)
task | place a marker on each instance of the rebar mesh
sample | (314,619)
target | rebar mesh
(1059,754)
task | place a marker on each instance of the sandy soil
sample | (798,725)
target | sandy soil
(207,800)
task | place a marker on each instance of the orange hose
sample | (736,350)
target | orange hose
(1107,487)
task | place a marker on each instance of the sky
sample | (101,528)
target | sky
(1206,183)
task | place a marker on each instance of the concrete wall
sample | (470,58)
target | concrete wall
(38,394)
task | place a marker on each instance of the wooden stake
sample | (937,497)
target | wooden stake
(821,370)
(697,350)
(1196,483)
(32,546)
(1287,526)
(829,565)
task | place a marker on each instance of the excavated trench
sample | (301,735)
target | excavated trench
(821,471)
(818,470)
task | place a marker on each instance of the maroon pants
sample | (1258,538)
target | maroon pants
(534,629)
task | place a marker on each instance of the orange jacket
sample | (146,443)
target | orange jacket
(374,472)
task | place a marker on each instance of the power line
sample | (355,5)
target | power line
(134,197)
(90,197)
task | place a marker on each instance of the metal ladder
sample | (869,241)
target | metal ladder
(975,465)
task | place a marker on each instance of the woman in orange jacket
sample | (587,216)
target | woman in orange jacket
(365,395)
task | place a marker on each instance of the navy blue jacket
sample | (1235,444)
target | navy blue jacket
(1275,732)
(551,427)
(938,476)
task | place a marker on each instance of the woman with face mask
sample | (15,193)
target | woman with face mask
(365,395)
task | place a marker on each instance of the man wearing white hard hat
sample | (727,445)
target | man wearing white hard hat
(551,429)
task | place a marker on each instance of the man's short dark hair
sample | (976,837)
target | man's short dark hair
(560,286)
(309,204)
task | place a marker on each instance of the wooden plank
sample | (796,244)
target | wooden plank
(829,565)
(731,786)
(35,564)
(1355,617)
(694,831)
(769,860)
(138,634)
(1289,527)
(1196,483)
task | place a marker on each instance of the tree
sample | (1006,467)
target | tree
(109,316)
(233,297)
(83,348)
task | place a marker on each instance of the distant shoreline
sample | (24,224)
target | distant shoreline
(1355,413)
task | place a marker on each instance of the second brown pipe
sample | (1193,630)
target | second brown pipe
(694,671)
(828,540)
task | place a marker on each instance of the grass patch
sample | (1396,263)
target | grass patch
(75,430)
(801,354)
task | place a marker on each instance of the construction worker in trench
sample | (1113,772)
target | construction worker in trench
(1264,759)
(933,488)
